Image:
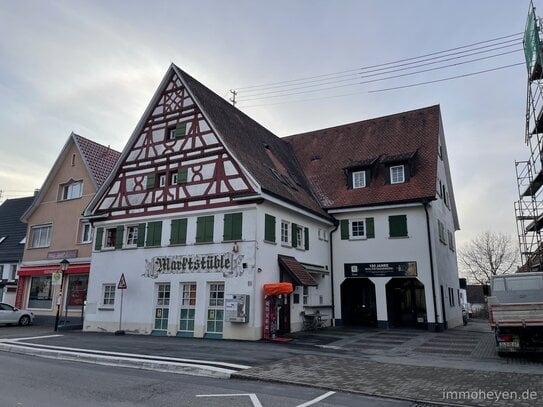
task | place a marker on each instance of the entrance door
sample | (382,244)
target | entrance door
(358,305)
(162,308)
(283,313)
(215,310)
(406,302)
(187,310)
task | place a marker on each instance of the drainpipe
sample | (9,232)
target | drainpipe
(336,225)
(425,203)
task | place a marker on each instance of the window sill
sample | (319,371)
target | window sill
(129,247)
(270,242)
(358,238)
(398,237)
(102,308)
(286,245)
(201,243)
(177,244)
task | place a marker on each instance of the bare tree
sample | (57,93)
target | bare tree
(487,255)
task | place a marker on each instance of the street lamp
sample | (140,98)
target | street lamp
(63,267)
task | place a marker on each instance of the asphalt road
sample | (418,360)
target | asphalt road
(36,382)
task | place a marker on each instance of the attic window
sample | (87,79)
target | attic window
(73,160)
(359,179)
(397,174)
(177,132)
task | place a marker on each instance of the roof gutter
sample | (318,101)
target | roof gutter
(425,203)
(336,225)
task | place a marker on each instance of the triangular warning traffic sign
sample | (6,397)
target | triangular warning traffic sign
(122,283)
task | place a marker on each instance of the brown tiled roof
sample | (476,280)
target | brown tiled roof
(324,154)
(296,270)
(100,159)
(268,158)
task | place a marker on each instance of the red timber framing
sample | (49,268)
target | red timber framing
(207,176)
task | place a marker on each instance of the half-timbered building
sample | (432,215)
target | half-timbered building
(204,208)
(212,226)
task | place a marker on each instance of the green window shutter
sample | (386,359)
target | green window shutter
(294,235)
(150,181)
(397,225)
(269,228)
(227,233)
(232,226)
(154,234)
(237,226)
(119,237)
(141,234)
(99,237)
(306,238)
(344,229)
(204,229)
(370,228)
(178,234)
(181,130)
(182,175)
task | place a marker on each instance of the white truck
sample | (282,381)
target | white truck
(516,312)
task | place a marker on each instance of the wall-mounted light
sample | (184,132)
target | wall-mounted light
(235,247)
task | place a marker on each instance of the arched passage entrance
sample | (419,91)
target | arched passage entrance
(406,303)
(358,306)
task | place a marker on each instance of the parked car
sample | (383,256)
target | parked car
(12,315)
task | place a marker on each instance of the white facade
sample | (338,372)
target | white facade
(253,264)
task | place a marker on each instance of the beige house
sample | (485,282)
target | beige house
(56,230)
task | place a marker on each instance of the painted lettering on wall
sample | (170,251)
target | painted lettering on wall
(228,264)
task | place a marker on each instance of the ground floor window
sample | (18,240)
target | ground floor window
(162,306)
(188,307)
(41,293)
(215,308)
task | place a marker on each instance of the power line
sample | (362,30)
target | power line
(387,89)
(380,65)
(270,95)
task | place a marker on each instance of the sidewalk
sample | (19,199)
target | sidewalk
(456,367)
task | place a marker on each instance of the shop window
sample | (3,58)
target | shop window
(397,226)
(41,293)
(204,229)
(108,295)
(77,291)
(269,228)
(41,236)
(233,223)
(285,233)
(178,232)
(188,307)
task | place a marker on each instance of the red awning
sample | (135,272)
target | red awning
(278,288)
(53,268)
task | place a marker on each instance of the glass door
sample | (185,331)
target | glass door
(215,310)
(188,309)
(162,307)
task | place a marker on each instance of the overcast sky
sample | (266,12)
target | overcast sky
(92,66)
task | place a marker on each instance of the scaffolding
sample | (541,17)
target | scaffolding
(529,207)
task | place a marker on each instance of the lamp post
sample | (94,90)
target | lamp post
(63,267)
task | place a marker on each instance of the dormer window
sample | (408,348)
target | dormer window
(359,179)
(397,174)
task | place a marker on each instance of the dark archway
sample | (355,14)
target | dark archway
(358,305)
(406,303)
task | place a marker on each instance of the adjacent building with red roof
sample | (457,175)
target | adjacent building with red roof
(205,207)
(56,229)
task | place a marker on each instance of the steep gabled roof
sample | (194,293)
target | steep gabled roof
(410,136)
(98,158)
(268,158)
(12,230)
(99,161)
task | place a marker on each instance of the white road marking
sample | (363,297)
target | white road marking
(130,355)
(252,396)
(32,337)
(316,400)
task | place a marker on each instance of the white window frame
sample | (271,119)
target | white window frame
(86,232)
(359,179)
(12,272)
(358,235)
(106,238)
(41,240)
(173,178)
(395,172)
(285,227)
(131,236)
(300,238)
(69,192)
(162,180)
(108,295)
